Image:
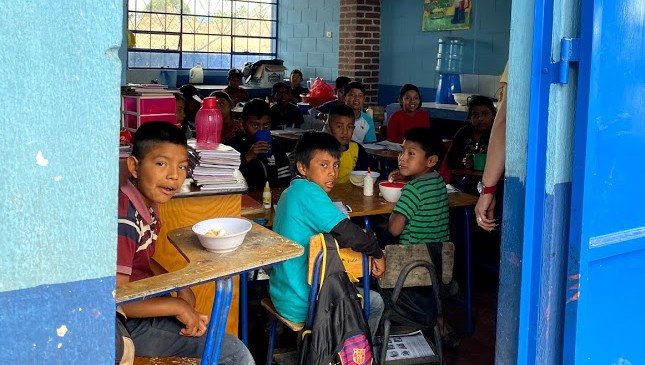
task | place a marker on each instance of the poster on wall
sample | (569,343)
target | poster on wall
(446,15)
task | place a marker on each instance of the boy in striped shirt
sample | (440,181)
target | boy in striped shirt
(421,217)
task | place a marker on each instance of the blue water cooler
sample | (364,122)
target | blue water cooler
(450,55)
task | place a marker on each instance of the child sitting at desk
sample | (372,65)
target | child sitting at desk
(233,89)
(305,209)
(421,217)
(261,161)
(473,137)
(231,127)
(321,111)
(364,131)
(165,325)
(410,116)
(295,78)
(283,113)
(353,157)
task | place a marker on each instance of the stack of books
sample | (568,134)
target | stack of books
(216,168)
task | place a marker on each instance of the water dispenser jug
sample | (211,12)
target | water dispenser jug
(450,55)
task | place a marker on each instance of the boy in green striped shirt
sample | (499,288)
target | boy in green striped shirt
(421,214)
(421,217)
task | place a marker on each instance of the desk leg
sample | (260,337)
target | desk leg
(469,294)
(243,309)
(217,325)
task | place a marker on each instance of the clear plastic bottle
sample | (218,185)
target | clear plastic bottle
(266,196)
(208,122)
(368,183)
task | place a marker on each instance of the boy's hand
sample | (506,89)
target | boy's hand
(378,267)
(395,176)
(257,148)
(196,323)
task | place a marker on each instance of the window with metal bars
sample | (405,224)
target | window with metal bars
(217,34)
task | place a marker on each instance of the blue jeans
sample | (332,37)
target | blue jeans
(376,311)
(159,337)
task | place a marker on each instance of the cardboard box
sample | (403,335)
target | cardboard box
(267,75)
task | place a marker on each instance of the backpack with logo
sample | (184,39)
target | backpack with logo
(338,333)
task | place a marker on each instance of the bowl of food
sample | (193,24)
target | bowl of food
(356,177)
(391,191)
(222,234)
(461,98)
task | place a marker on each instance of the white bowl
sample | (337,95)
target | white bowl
(232,232)
(461,98)
(356,177)
(391,191)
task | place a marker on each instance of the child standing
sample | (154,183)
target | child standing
(305,209)
(353,156)
(410,116)
(231,126)
(473,137)
(160,326)
(283,113)
(364,131)
(421,217)
(296,89)
(258,164)
(233,89)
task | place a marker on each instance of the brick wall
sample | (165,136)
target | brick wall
(359,44)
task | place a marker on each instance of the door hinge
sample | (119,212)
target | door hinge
(569,52)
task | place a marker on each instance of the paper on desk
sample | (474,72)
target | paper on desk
(383,145)
(342,207)
(452,189)
(408,346)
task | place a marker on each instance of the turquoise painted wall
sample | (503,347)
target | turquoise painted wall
(409,55)
(302,41)
(59,131)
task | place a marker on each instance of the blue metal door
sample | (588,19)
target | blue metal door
(605,307)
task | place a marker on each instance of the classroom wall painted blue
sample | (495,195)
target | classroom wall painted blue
(409,55)
(302,43)
(62,77)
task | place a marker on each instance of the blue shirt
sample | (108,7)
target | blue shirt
(304,209)
(364,131)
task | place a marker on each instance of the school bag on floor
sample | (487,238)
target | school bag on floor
(338,332)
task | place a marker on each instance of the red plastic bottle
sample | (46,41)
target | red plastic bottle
(208,122)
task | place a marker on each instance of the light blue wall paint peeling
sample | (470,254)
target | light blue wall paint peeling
(519,79)
(58,139)
(302,40)
(562,100)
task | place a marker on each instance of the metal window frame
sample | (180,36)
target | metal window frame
(231,54)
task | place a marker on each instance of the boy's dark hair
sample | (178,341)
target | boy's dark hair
(297,72)
(429,142)
(316,141)
(278,86)
(354,85)
(477,100)
(225,96)
(341,81)
(255,108)
(404,89)
(342,110)
(235,74)
(151,134)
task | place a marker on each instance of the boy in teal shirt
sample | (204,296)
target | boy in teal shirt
(304,210)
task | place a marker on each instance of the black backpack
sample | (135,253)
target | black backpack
(339,333)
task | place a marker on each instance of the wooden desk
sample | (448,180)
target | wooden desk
(260,248)
(385,154)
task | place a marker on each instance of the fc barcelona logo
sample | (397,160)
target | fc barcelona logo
(359,356)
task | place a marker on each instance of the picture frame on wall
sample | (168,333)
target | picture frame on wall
(439,15)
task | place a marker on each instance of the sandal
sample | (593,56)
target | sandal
(451,340)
